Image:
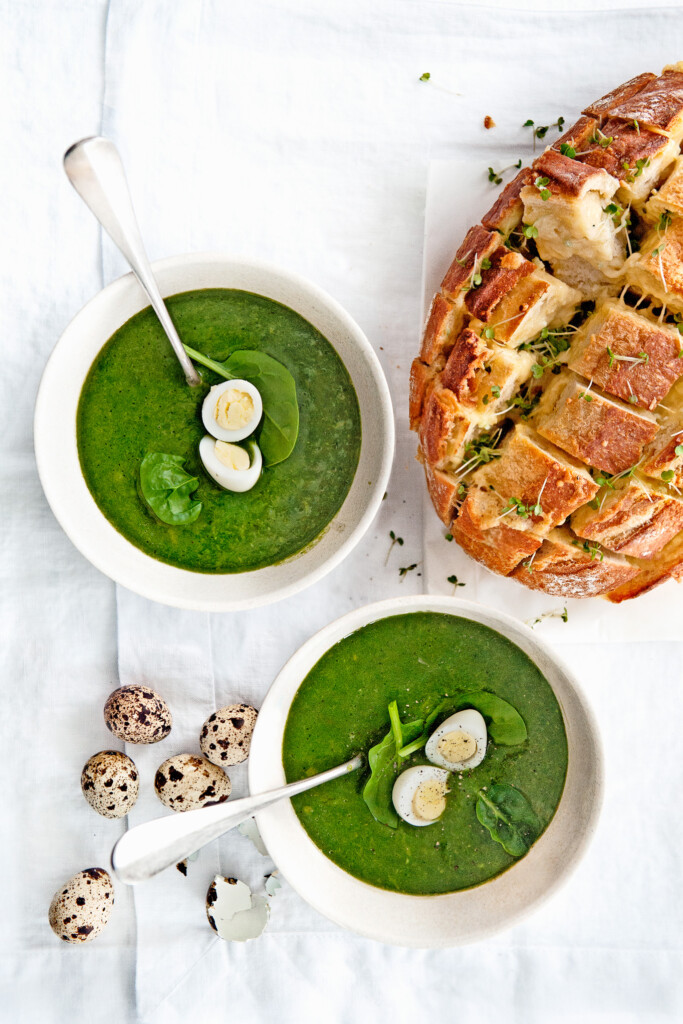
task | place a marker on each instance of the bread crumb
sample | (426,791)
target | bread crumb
(489,122)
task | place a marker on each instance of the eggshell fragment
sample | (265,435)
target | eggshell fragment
(187,781)
(137,714)
(233,912)
(81,908)
(109,781)
(226,734)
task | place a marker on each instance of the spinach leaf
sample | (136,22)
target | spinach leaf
(384,759)
(280,425)
(167,489)
(505,724)
(509,817)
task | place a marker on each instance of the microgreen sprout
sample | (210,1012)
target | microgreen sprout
(479,451)
(541,130)
(591,548)
(641,164)
(678,450)
(497,176)
(455,581)
(522,510)
(599,138)
(394,540)
(448,537)
(664,221)
(530,231)
(541,184)
(557,614)
(566,149)
(425,76)
(668,475)
(403,572)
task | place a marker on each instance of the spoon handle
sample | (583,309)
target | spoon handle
(147,849)
(94,168)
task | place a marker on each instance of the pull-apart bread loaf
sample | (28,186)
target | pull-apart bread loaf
(548,393)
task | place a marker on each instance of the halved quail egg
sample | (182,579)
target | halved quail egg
(459,742)
(419,794)
(231,466)
(232,410)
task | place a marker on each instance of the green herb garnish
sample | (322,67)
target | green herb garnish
(541,184)
(591,548)
(509,818)
(167,488)
(425,76)
(403,572)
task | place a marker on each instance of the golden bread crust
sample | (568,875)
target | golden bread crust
(564,568)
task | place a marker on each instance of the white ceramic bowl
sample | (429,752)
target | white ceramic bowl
(91,532)
(453,918)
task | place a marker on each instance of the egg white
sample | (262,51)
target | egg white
(468,721)
(405,787)
(209,410)
(238,480)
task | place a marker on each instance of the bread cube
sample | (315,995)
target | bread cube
(567,207)
(606,104)
(537,475)
(658,105)
(627,355)
(482,375)
(568,567)
(444,323)
(669,197)
(657,270)
(443,488)
(666,565)
(444,429)
(600,431)
(479,244)
(422,380)
(494,543)
(506,213)
(632,517)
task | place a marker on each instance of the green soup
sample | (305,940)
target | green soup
(341,709)
(135,400)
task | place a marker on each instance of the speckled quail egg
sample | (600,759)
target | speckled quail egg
(187,781)
(232,410)
(232,467)
(109,781)
(419,794)
(459,742)
(226,734)
(81,908)
(137,714)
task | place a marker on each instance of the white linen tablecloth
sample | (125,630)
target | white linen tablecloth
(296,131)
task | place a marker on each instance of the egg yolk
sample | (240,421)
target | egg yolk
(231,455)
(234,409)
(457,746)
(429,800)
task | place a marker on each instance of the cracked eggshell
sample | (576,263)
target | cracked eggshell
(233,912)
(226,734)
(109,781)
(187,781)
(137,714)
(81,908)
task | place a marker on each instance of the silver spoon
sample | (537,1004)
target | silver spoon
(94,168)
(147,849)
